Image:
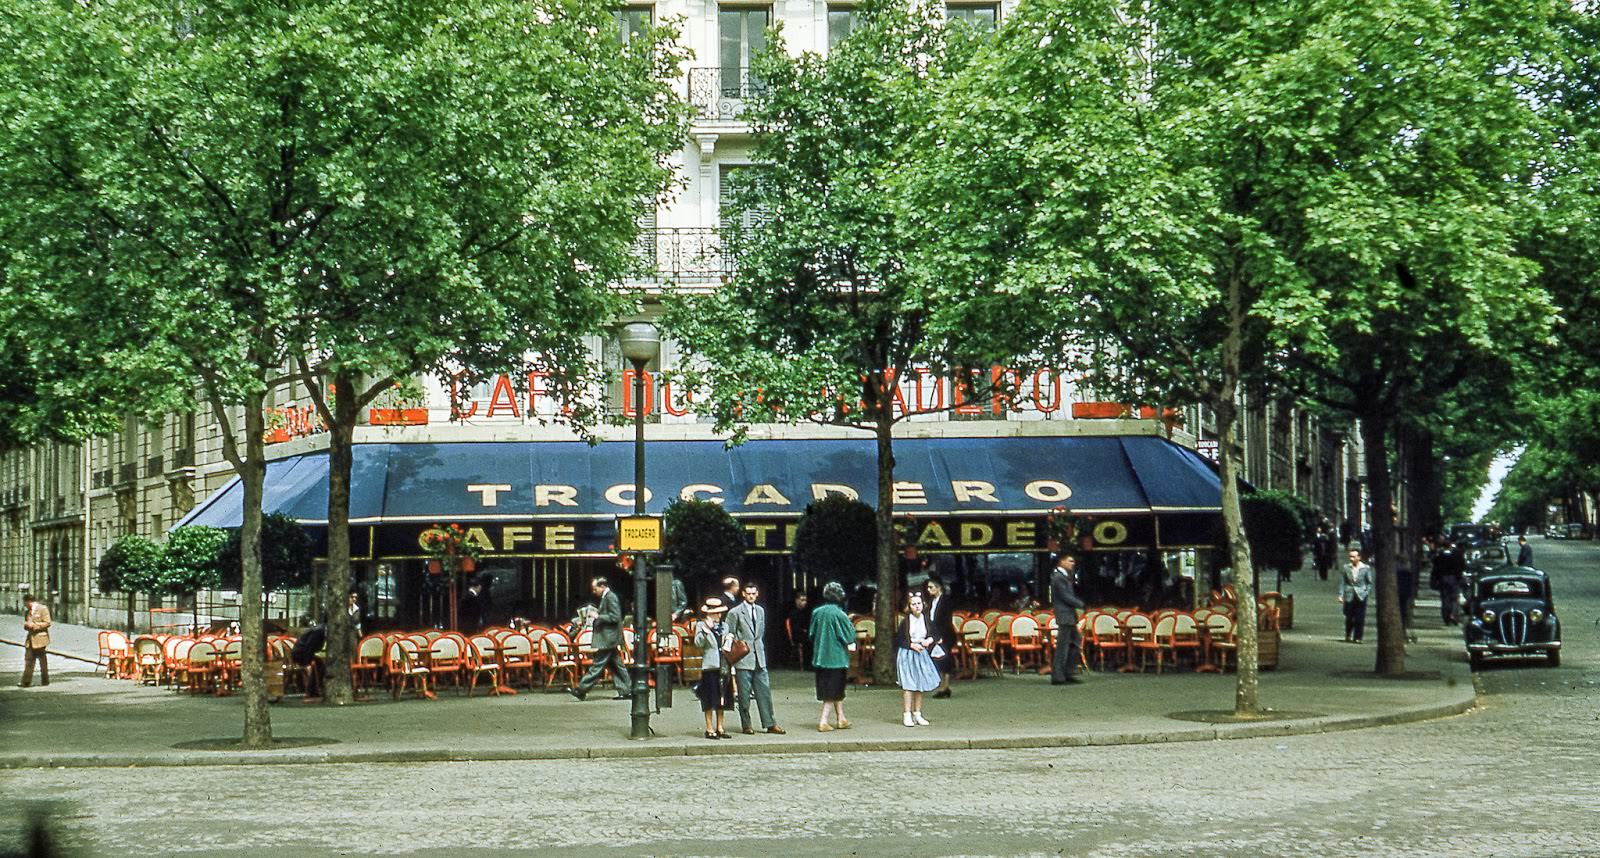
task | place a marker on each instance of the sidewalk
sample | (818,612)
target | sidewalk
(1322,685)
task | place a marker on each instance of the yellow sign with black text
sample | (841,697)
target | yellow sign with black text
(639,533)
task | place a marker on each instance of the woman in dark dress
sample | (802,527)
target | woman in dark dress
(710,635)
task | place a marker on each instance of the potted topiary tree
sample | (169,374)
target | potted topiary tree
(132,565)
(192,561)
(836,540)
(286,556)
(701,539)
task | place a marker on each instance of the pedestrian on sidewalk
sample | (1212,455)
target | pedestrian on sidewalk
(1354,591)
(607,642)
(941,625)
(914,644)
(833,638)
(36,640)
(1064,600)
(1448,568)
(712,637)
(748,623)
(1524,552)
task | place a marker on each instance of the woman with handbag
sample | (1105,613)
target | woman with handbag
(914,659)
(711,636)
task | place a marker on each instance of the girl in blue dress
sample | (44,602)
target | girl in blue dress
(914,658)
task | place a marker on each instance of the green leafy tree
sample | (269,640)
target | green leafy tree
(826,311)
(1231,195)
(131,565)
(702,539)
(472,206)
(836,540)
(378,183)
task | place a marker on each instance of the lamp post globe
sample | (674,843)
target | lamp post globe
(641,343)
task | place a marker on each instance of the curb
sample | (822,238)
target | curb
(1265,729)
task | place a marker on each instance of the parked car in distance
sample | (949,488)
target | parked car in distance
(1510,612)
(1466,532)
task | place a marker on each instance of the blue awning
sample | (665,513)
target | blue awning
(488,481)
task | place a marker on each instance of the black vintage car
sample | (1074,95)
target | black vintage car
(1510,613)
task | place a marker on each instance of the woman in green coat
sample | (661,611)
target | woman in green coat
(833,638)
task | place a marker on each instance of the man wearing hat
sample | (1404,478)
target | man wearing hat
(1065,602)
(607,642)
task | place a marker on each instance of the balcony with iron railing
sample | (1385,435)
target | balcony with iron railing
(718,94)
(681,254)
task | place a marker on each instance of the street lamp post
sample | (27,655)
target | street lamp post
(641,343)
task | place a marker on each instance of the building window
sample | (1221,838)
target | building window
(730,179)
(633,22)
(841,21)
(741,34)
(982,16)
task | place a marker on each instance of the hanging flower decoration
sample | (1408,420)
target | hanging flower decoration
(449,546)
(624,561)
(905,535)
(1061,527)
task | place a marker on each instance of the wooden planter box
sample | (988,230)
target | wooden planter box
(397,416)
(276,436)
(1267,641)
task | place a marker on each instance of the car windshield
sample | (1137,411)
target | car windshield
(1516,588)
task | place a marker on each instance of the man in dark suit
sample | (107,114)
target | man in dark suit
(1524,552)
(941,627)
(607,643)
(1066,604)
(474,611)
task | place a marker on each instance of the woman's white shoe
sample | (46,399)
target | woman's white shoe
(917,717)
(907,720)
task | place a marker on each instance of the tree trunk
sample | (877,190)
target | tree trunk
(252,469)
(130,612)
(1246,698)
(1391,658)
(883,658)
(337,685)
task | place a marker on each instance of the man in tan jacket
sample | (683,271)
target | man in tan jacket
(36,626)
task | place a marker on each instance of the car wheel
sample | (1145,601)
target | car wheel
(1553,657)
(1476,659)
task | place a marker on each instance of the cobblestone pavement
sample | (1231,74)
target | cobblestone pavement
(1514,778)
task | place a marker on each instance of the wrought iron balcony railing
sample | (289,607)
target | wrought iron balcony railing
(681,253)
(717,93)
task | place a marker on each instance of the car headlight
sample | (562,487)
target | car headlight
(1488,616)
(1536,616)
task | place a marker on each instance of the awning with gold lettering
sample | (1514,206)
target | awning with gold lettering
(394,483)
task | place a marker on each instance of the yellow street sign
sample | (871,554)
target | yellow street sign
(639,533)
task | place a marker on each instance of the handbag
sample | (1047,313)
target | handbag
(736,651)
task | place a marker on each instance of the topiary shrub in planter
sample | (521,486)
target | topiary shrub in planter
(837,541)
(192,561)
(701,540)
(1276,529)
(132,565)
(285,555)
